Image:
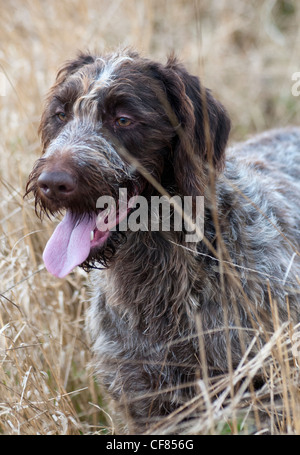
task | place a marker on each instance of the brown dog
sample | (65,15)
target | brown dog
(125,122)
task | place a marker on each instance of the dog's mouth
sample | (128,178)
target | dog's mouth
(73,239)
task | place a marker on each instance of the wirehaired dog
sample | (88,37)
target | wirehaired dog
(164,310)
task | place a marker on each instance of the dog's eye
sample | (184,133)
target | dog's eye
(61,116)
(123,121)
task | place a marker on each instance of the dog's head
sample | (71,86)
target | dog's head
(121,121)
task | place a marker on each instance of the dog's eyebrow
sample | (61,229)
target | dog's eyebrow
(67,93)
(59,99)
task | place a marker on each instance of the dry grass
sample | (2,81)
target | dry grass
(246,52)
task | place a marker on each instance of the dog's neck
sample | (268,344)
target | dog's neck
(161,293)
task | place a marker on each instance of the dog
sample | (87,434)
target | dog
(166,307)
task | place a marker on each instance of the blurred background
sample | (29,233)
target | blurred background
(245,51)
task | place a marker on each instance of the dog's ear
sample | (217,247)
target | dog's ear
(71,66)
(203,127)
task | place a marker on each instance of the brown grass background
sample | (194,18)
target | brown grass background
(246,52)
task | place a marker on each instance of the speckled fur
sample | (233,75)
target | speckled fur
(161,299)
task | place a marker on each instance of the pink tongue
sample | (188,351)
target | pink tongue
(69,245)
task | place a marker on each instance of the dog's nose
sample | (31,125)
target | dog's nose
(57,184)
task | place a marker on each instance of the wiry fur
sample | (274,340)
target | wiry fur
(161,300)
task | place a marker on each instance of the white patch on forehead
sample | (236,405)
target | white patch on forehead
(105,76)
(87,103)
(108,72)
